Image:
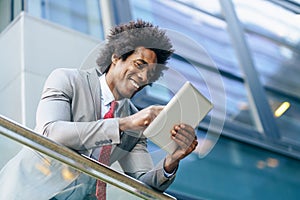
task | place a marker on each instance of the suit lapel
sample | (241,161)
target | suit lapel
(93,80)
(128,139)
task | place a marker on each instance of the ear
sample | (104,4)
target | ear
(114,58)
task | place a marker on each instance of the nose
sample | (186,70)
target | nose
(143,76)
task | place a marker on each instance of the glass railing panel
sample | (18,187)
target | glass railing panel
(56,166)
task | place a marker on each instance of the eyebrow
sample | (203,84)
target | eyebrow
(141,60)
(144,62)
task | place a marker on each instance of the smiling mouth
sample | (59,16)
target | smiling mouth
(134,84)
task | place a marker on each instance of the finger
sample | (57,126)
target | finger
(187,149)
(180,143)
(150,118)
(184,139)
(187,133)
(187,127)
(157,109)
(192,147)
(173,133)
(146,122)
(195,142)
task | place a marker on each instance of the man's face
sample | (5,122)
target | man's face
(125,78)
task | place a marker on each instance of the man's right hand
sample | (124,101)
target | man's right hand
(140,120)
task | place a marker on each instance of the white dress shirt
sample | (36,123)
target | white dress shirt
(106,98)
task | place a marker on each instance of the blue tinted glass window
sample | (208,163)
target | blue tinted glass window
(210,34)
(83,16)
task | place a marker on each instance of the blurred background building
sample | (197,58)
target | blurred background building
(242,55)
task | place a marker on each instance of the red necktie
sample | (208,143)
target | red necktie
(104,155)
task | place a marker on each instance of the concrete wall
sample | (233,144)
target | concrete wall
(30,48)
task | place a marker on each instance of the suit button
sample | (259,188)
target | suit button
(98,143)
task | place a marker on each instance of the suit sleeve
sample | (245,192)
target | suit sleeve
(54,117)
(138,164)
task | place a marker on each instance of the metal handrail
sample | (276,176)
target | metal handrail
(92,168)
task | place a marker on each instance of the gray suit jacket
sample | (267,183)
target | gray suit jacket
(69,113)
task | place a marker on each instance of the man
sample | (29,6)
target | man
(74,104)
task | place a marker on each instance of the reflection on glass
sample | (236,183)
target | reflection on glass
(272,162)
(289,121)
(39,168)
(237,104)
(212,6)
(238,108)
(278,22)
(268,163)
(277,64)
(10,148)
(282,108)
(206,142)
(208,31)
(279,72)
(83,16)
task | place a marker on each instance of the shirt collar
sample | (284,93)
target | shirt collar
(106,95)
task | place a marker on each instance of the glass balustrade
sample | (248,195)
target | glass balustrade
(51,161)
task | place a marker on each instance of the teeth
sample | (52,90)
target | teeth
(135,84)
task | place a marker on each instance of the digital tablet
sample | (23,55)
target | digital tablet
(188,106)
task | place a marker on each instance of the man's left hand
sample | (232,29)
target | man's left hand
(184,136)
